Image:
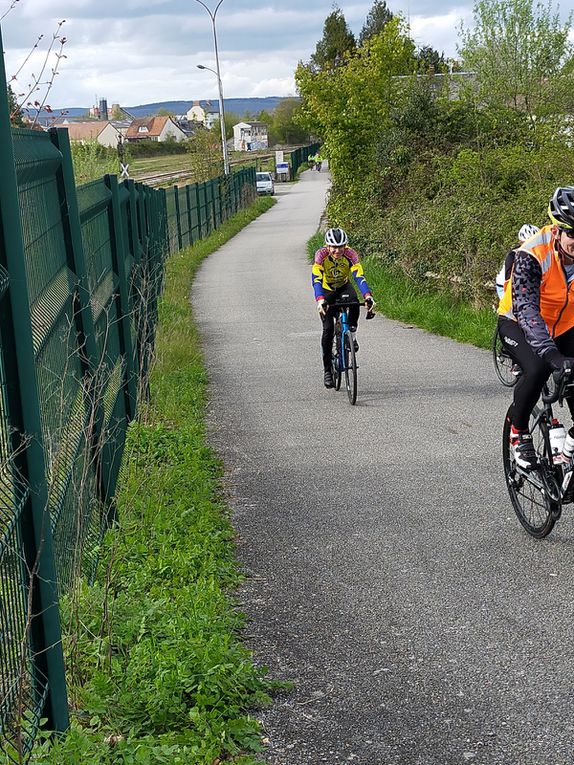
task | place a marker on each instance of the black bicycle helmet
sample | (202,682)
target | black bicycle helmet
(561,207)
(335,237)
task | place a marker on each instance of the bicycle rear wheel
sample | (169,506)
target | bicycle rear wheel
(535,497)
(350,368)
(503,363)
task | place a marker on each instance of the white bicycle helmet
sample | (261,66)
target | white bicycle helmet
(336,237)
(527,231)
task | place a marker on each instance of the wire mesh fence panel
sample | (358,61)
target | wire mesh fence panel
(88,265)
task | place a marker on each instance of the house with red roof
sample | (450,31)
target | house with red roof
(101,131)
(154,129)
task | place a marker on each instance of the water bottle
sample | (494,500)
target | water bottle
(557,433)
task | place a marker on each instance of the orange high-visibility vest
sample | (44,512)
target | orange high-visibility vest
(556,302)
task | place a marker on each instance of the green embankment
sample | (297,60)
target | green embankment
(157,670)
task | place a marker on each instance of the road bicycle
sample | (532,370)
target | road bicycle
(344,360)
(537,496)
(506,369)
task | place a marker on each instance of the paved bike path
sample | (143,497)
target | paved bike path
(388,575)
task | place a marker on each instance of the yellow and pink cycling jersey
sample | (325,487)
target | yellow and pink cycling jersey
(329,273)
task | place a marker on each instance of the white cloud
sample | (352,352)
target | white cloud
(442,30)
(143,51)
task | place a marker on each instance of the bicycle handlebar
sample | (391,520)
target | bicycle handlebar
(370,313)
(345,305)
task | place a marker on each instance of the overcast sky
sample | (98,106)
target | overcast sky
(142,51)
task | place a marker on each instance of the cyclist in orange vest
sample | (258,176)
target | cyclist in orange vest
(536,317)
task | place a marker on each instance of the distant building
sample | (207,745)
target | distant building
(100,112)
(248,136)
(154,129)
(203,112)
(104,133)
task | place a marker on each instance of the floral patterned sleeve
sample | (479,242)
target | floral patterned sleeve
(526,281)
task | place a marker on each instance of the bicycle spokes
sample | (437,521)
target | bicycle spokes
(536,494)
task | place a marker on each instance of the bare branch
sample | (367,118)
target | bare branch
(14,3)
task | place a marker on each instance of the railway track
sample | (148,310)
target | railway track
(164,179)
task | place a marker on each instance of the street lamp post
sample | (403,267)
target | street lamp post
(217,73)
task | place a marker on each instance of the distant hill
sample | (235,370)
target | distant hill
(240,106)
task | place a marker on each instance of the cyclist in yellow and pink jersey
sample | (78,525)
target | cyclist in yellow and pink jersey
(334,265)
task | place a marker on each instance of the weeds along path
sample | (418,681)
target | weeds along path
(388,577)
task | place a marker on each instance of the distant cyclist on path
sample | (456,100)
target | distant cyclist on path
(334,265)
(536,317)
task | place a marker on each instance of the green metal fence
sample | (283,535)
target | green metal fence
(81,271)
(299,156)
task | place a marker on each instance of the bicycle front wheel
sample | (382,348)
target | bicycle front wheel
(350,368)
(337,362)
(535,497)
(503,364)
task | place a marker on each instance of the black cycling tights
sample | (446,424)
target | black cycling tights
(345,294)
(535,370)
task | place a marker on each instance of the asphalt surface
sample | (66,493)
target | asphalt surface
(388,577)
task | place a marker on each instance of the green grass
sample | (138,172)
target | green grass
(438,312)
(423,305)
(157,671)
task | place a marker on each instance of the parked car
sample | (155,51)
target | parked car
(264,183)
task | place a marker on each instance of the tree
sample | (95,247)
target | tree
(14,110)
(431,61)
(522,59)
(378,16)
(231,119)
(349,107)
(338,42)
(205,155)
(284,126)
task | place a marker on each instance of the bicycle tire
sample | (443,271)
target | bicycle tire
(503,363)
(350,368)
(337,374)
(534,506)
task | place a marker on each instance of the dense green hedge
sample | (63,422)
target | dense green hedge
(456,215)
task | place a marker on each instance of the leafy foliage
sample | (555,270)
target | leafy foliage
(435,175)
(431,61)
(14,110)
(337,43)
(350,106)
(378,16)
(522,58)
(205,155)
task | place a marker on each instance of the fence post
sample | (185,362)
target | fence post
(199,221)
(189,221)
(177,218)
(22,395)
(119,266)
(83,317)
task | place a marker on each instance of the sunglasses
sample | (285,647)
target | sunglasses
(569,232)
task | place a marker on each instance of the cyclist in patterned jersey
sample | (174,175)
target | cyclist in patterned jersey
(334,265)
(503,275)
(536,317)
